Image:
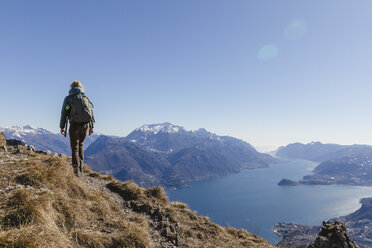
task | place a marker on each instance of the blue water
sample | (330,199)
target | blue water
(252,200)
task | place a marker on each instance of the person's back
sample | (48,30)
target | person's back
(78,110)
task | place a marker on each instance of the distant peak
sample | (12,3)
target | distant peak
(29,127)
(201,130)
(165,127)
(315,143)
(18,131)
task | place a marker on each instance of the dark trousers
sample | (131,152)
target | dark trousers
(78,132)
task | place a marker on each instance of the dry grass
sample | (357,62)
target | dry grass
(127,190)
(53,208)
(91,173)
(130,191)
(157,194)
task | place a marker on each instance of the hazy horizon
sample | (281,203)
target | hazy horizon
(268,72)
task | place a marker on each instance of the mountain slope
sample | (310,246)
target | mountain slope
(125,160)
(168,155)
(193,164)
(43,204)
(240,153)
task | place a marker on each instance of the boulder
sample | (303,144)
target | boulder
(333,236)
(31,148)
(14,142)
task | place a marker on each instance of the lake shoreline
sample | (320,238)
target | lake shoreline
(251,199)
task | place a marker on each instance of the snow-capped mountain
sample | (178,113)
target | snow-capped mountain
(166,137)
(20,133)
(168,128)
(42,139)
(171,156)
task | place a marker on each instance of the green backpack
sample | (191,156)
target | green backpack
(81,109)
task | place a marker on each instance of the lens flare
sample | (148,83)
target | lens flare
(267,52)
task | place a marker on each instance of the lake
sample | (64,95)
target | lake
(252,200)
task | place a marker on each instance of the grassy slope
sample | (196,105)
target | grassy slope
(42,204)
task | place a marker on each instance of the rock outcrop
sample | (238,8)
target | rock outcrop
(333,236)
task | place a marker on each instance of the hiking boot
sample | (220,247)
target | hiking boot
(76,172)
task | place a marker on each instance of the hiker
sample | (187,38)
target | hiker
(78,110)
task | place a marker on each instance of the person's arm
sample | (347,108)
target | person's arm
(91,126)
(91,123)
(62,122)
(91,131)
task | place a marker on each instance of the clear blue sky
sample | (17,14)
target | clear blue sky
(267,71)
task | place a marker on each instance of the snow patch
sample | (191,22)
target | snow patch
(160,128)
(19,132)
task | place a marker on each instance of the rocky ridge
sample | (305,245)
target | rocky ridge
(333,236)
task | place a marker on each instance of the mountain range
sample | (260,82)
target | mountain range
(319,152)
(339,164)
(154,154)
(168,155)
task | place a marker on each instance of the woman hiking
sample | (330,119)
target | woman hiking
(78,110)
